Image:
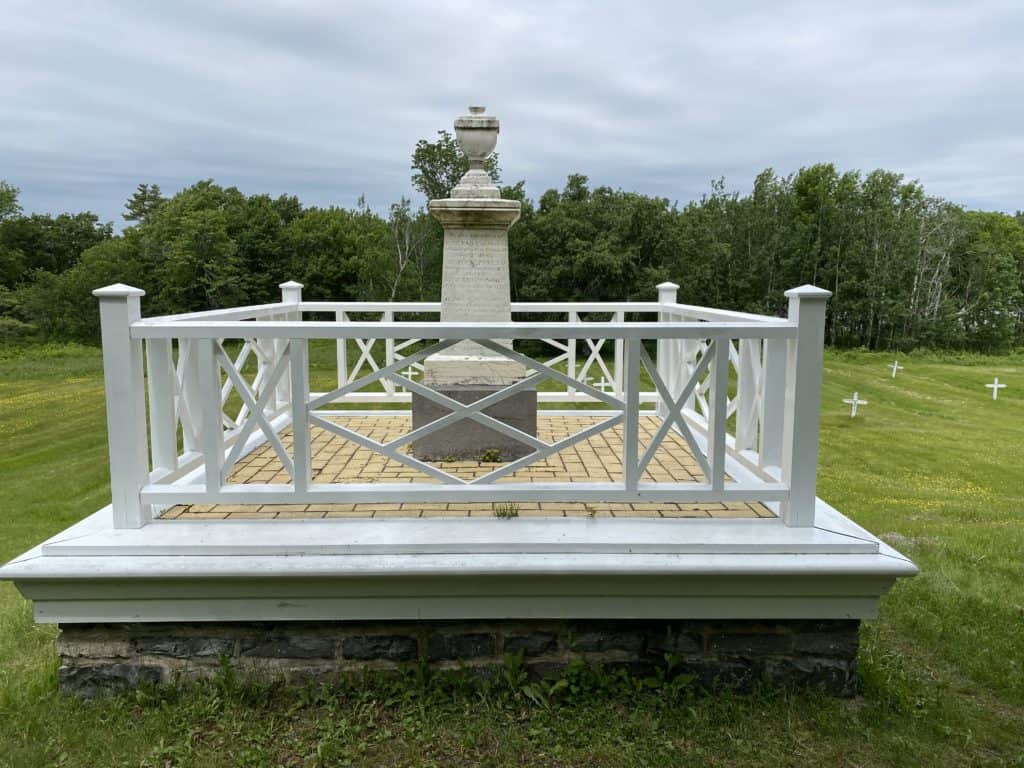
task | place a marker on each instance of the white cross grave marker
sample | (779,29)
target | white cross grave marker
(604,385)
(895,367)
(410,373)
(853,403)
(995,386)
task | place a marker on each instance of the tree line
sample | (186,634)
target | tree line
(906,269)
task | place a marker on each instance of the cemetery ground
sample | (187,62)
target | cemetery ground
(931,464)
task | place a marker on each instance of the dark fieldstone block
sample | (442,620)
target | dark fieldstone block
(834,677)
(531,645)
(185,647)
(605,640)
(92,681)
(841,644)
(751,645)
(467,439)
(671,640)
(294,647)
(466,646)
(391,647)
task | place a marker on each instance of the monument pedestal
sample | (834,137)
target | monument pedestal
(468,440)
(475,287)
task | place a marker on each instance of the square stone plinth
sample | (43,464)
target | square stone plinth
(468,439)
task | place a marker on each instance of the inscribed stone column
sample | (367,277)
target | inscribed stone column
(475,287)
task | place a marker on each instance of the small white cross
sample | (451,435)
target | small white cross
(410,373)
(895,367)
(604,385)
(995,386)
(853,403)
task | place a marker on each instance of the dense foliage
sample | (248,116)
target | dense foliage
(906,269)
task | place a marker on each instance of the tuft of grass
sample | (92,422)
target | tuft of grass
(491,456)
(506,511)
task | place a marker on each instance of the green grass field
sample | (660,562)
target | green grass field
(931,464)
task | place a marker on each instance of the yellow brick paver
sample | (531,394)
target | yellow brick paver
(597,459)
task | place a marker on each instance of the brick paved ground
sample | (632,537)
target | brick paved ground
(597,459)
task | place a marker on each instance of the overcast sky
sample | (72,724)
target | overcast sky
(327,99)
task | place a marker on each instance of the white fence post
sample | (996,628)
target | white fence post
(667,360)
(163,424)
(299,371)
(210,412)
(718,413)
(341,351)
(746,394)
(803,403)
(126,402)
(631,424)
(389,351)
(773,403)
(189,401)
(619,373)
(291,293)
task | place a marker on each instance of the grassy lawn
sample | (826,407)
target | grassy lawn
(931,464)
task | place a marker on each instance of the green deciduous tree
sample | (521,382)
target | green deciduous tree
(440,164)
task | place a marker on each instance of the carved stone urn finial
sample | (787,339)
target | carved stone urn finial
(477,135)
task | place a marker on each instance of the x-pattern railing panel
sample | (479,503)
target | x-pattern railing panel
(258,404)
(699,381)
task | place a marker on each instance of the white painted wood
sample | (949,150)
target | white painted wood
(574,319)
(631,426)
(895,367)
(667,294)
(163,422)
(719,412)
(298,366)
(772,403)
(800,464)
(457,491)
(674,413)
(748,388)
(125,400)
(350,536)
(291,294)
(441,607)
(619,380)
(211,428)
(341,351)
(319,329)
(189,404)
(389,351)
(260,415)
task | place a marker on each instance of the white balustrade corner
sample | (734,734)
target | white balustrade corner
(710,368)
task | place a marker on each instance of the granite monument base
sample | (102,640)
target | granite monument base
(468,440)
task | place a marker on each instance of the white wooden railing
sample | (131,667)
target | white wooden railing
(709,367)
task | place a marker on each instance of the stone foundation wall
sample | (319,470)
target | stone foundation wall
(96,658)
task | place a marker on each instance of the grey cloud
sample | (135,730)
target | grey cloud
(327,99)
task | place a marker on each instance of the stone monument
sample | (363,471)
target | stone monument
(475,287)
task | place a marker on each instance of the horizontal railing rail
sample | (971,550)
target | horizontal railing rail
(222,383)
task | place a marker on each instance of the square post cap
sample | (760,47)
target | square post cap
(667,292)
(291,292)
(808,292)
(117,291)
